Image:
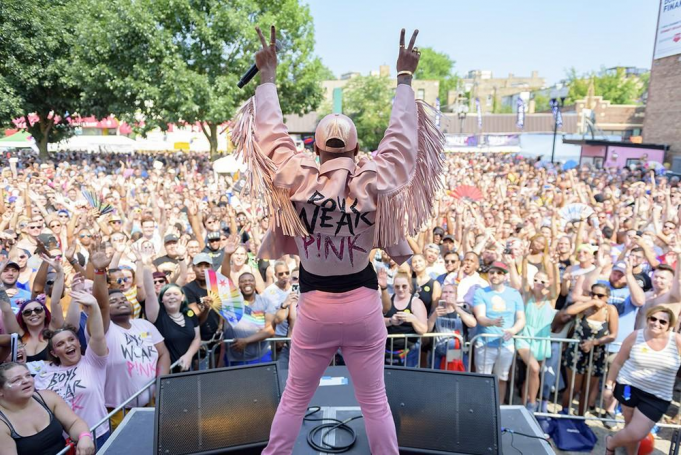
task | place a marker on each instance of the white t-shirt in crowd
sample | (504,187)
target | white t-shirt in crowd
(276,297)
(132,362)
(80,385)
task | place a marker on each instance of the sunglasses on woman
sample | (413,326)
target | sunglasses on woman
(36,310)
(661,321)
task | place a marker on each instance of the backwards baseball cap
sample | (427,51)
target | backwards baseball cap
(213,235)
(202,258)
(336,126)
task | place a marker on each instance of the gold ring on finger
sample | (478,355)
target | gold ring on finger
(401,46)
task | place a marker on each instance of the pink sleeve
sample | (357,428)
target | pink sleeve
(270,131)
(409,162)
(396,155)
(261,139)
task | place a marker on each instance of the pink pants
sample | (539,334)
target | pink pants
(352,321)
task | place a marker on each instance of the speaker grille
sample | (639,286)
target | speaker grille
(216,409)
(444,411)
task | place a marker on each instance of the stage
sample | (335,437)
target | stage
(336,398)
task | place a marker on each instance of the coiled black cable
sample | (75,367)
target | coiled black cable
(335,424)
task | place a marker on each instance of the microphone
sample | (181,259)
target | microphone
(253,70)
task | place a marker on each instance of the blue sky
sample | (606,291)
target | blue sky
(511,36)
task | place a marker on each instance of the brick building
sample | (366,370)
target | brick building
(663,112)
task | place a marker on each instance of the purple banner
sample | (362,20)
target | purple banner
(477,107)
(520,123)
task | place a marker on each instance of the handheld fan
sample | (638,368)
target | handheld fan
(574,213)
(467,193)
(96,203)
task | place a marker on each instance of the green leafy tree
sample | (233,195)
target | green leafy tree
(614,86)
(434,65)
(541,103)
(178,61)
(367,100)
(37,39)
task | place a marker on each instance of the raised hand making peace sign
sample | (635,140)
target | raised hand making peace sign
(408,57)
(266,58)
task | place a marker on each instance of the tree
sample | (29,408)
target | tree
(367,100)
(614,86)
(178,61)
(435,65)
(34,62)
(541,103)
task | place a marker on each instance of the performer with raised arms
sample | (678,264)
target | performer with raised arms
(332,214)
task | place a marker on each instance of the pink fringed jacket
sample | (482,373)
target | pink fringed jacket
(334,214)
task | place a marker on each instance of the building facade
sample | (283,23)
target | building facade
(662,123)
(483,85)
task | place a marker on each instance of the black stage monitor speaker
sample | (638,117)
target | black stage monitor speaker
(444,412)
(227,410)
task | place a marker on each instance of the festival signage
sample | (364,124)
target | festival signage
(668,39)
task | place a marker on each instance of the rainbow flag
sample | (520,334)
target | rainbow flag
(227,300)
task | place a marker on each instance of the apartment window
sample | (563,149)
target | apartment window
(489,100)
(420,94)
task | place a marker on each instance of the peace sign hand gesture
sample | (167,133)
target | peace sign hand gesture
(266,58)
(408,58)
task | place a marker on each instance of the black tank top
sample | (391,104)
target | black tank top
(47,441)
(405,328)
(425,293)
(42,355)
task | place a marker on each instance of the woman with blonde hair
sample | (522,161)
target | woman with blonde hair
(642,378)
(407,316)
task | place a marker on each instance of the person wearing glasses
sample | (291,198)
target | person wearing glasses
(29,237)
(500,312)
(277,293)
(642,378)
(33,316)
(596,326)
(540,297)
(452,264)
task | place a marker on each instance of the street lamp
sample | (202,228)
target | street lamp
(556,104)
(462,113)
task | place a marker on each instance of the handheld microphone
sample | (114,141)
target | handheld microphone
(253,70)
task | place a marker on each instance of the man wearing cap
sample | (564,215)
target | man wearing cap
(500,312)
(170,245)
(448,244)
(196,292)
(332,215)
(213,249)
(9,277)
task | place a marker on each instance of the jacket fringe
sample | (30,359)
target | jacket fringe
(261,171)
(405,210)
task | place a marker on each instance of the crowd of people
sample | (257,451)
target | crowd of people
(99,298)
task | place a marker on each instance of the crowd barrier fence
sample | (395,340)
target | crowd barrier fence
(212,356)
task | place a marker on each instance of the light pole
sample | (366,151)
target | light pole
(462,113)
(556,104)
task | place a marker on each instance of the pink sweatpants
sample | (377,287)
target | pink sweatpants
(351,321)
